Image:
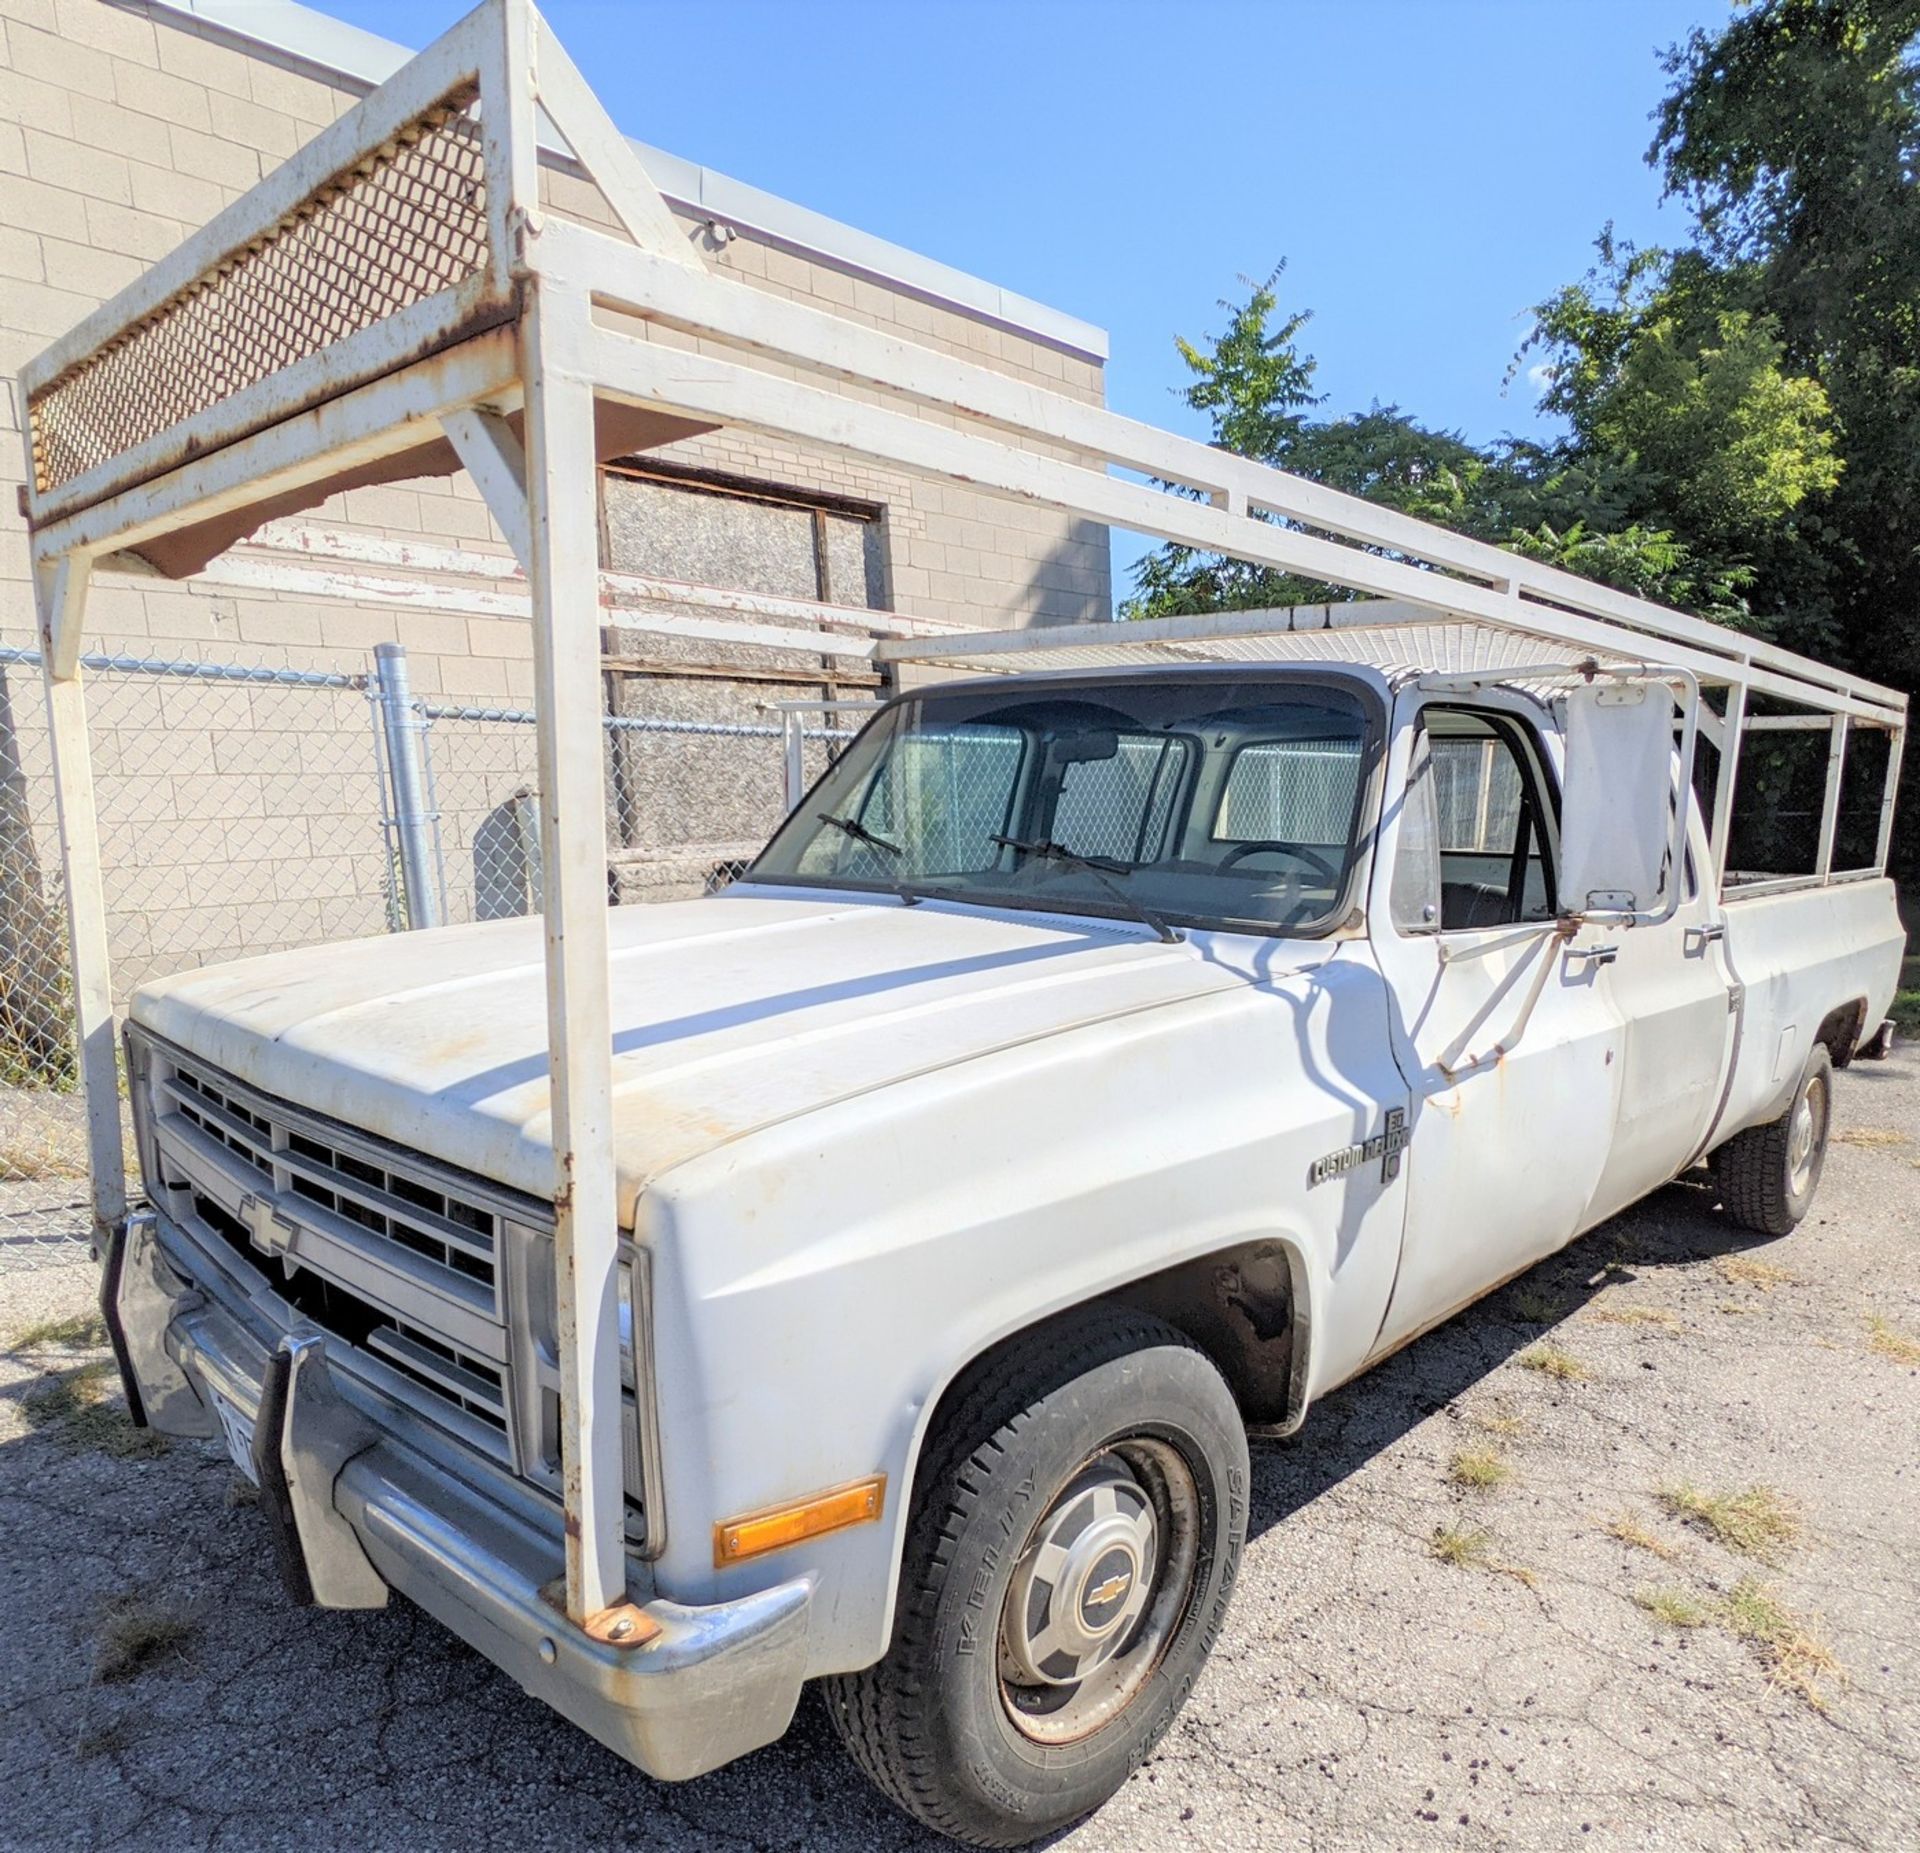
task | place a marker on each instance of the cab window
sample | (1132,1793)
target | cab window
(1477,834)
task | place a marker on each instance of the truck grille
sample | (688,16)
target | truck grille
(354,1182)
(400,1259)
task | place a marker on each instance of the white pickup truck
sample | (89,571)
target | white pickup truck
(1095,1067)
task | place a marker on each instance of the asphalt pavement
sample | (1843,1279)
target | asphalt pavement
(1626,1556)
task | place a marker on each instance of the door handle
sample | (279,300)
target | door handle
(1594,955)
(1705,936)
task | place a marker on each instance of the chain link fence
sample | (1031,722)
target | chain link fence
(246,810)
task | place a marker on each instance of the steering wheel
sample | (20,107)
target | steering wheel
(1298,851)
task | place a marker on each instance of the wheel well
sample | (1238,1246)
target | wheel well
(1842,1030)
(1245,1307)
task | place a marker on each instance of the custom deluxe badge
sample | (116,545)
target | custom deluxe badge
(1385,1146)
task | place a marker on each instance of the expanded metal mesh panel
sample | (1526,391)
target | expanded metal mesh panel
(407,222)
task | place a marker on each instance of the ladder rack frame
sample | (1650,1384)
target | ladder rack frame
(506,363)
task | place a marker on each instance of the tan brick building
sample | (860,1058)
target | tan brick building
(238,817)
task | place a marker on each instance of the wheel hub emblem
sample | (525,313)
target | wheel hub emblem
(1084,1581)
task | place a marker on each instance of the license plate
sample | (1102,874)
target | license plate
(238,1430)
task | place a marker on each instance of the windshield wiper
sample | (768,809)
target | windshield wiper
(1101,869)
(854,828)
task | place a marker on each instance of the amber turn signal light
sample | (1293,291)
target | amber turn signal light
(773,1528)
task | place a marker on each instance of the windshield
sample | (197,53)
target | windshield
(1227,801)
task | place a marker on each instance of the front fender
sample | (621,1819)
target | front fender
(820,1285)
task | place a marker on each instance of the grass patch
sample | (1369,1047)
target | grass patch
(1795,1656)
(1465,1547)
(1657,1316)
(1631,1529)
(1870,1137)
(1533,1306)
(1480,1468)
(1674,1606)
(1754,1521)
(1551,1361)
(1891,1342)
(1470,1547)
(81,1332)
(1503,1422)
(1744,1271)
(76,1407)
(136,1633)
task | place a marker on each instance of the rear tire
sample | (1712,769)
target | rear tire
(1768,1174)
(1077,1524)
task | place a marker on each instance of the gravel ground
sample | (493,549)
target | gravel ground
(1410,1660)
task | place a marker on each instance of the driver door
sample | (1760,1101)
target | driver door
(1503,1030)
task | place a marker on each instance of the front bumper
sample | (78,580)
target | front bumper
(356,1512)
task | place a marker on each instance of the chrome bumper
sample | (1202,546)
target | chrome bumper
(355,1513)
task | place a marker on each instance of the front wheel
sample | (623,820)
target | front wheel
(1076,1528)
(1768,1174)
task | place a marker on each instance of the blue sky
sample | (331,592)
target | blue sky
(1428,168)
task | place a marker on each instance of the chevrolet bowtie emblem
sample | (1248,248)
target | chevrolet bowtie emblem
(1112,1587)
(1385,1146)
(269,1231)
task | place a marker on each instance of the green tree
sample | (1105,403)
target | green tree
(1254,384)
(1794,135)
(1686,421)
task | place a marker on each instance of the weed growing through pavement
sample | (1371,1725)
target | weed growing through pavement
(1657,1316)
(1673,1606)
(1743,1271)
(1891,1342)
(80,1332)
(1551,1361)
(1870,1136)
(1754,1520)
(136,1633)
(1631,1529)
(1532,1306)
(76,1408)
(1480,1468)
(1466,1547)
(1792,1651)
(1470,1547)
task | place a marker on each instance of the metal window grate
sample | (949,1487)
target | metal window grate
(403,224)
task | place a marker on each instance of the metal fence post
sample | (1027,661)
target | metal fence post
(403,728)
(796,757)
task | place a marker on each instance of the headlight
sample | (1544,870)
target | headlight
(639,1400)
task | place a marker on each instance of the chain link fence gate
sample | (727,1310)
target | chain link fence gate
(246,809)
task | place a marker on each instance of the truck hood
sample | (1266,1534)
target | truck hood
(728,1014)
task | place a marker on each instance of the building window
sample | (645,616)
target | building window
(705,528)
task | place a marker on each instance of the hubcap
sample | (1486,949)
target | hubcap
(1098,1590)
(1084,1581)
(1804,1134)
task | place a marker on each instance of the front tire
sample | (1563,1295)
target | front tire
(1076,1528)
(1768,1174)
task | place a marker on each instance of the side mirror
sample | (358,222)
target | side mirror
(1623,812)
